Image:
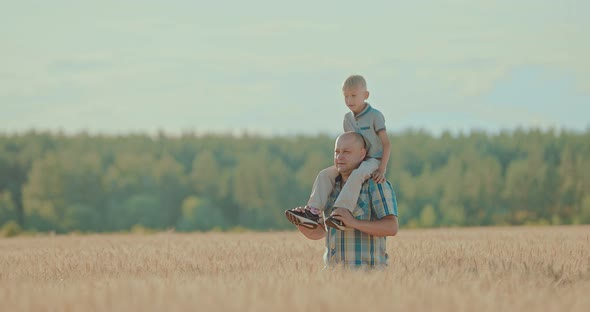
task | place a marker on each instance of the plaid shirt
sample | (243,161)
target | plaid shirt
(353,248)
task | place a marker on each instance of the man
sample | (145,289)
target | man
(362,243)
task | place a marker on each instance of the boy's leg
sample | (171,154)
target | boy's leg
(351,190)
(322,187)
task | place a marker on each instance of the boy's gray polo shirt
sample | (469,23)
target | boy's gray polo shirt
(367,123)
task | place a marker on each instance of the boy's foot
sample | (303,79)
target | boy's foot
(337,224)
(303,218)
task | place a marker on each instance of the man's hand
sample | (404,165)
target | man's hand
(345,216)
(315,234)
(379,175)
(300,209)
(386,226)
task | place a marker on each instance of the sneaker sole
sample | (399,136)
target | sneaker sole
(300,221)
(334,225)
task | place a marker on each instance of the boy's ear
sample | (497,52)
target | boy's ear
(366,95)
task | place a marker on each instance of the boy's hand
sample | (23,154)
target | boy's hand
(379,175)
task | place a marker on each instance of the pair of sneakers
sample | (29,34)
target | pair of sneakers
(310,220)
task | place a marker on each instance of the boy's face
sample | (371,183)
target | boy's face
(355,98)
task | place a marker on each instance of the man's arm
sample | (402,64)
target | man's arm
(315,234)
(386,226)
(383,205)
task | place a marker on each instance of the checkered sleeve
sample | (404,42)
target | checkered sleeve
(383,202)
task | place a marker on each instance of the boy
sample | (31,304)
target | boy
(370,123)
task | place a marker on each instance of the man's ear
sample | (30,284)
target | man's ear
(364,152)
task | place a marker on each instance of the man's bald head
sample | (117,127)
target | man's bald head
(349,152)
(354,137)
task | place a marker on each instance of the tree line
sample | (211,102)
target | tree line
(100,183)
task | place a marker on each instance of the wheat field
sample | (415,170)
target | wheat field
(476,269)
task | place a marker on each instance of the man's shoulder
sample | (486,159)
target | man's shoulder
(384,188)
(382,198)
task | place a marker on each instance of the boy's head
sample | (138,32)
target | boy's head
(355,93)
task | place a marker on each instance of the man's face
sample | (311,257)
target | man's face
(348,154)
(355,98)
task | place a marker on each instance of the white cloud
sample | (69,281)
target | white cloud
(418,56)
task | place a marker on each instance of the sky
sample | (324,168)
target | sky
(277,68)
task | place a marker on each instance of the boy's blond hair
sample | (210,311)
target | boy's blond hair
(354,81)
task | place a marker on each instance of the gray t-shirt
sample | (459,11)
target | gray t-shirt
(367,123)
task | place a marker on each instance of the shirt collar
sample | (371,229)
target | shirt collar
(364,112)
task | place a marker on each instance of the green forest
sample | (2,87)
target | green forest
(50,181)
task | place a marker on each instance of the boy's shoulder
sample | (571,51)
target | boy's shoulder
(370,110)
(377,114)
(375,111)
